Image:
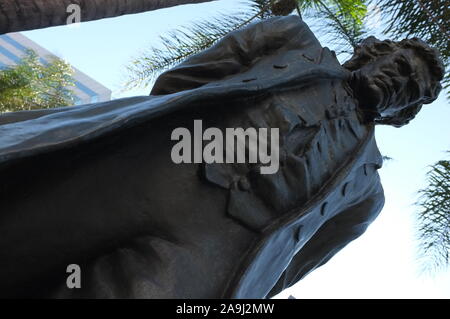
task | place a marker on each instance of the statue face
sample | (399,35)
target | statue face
(393,82)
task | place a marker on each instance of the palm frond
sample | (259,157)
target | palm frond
(261,6)
(434,218)
(179,44)
(342,20)
(428,20)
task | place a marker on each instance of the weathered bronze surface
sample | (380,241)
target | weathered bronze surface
(95,185)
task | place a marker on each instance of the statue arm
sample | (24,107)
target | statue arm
(334,235)
(14,117)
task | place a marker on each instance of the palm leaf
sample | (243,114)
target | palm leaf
(428,20)
(434,218)
(339,23)
(179,44)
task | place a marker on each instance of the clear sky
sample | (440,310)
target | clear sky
(383,262)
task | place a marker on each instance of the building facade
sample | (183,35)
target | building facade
(14,45)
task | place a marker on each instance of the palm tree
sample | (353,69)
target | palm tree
(434,218)
(21,15)
(31,85)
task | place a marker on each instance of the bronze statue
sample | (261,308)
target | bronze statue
(96,186)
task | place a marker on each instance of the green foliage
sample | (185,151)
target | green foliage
(434,217)
(32,85)
(425,19)
(341,21)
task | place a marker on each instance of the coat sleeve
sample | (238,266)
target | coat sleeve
(334,235)
(20,116)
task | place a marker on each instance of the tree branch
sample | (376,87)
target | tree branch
(21,15)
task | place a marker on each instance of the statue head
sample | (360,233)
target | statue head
(392,80)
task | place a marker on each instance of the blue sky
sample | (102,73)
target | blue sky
(383,262)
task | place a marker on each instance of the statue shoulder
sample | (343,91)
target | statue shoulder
(238,51)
